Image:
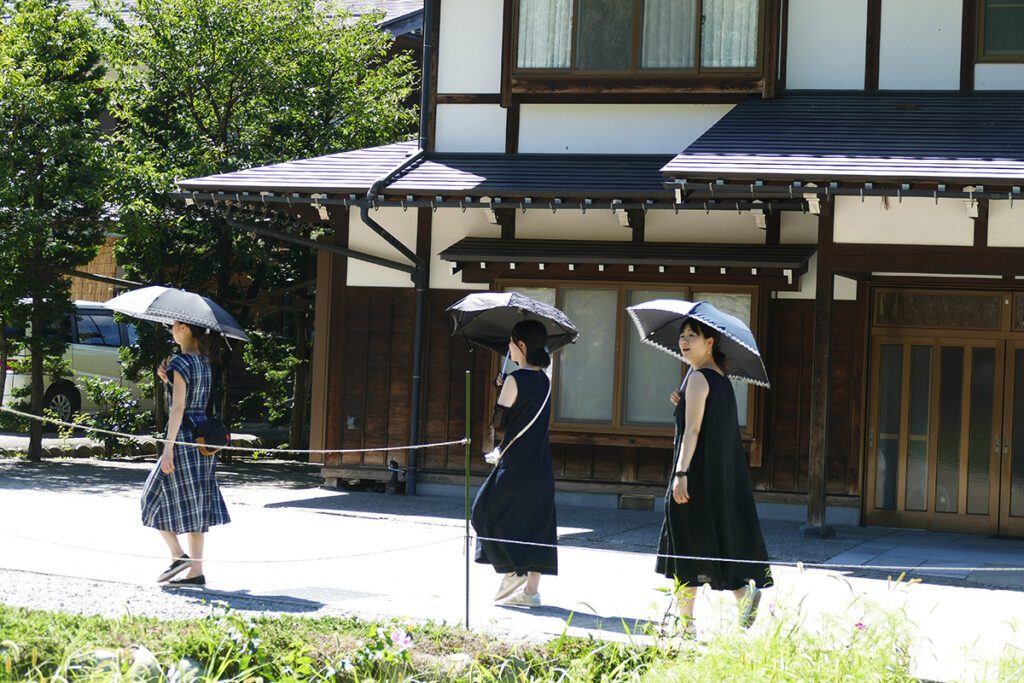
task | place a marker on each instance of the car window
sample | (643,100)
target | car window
(98,330)
(131,333)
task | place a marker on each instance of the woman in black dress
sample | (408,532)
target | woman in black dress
(709,505)
(517,500)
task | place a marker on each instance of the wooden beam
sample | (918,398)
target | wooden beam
(940,260)
(506,52)
(507,221)
(469,98)
(770,69)
(431,78)
(780,81)
(981,223)
(817,466)
(968,44)
(325,417)
(512,127)
(873,45)
(637,219)
(773,228)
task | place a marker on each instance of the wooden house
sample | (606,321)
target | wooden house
(843,174)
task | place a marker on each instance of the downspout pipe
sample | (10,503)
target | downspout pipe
(421,274)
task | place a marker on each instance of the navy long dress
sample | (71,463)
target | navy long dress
(517,500)
(188,500)
(720,519)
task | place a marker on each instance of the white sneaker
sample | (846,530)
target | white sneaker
(523,599)
(509,584)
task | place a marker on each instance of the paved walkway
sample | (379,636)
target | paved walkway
(70,539)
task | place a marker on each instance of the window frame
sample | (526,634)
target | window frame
(981,57)
(636,71)
(624,327)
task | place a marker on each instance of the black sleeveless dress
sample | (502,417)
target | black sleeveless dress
(720,519)
(517,500)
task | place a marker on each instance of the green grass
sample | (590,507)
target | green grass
(43,646)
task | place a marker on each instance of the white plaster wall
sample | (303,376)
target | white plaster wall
(615,128)
(914,221)
(1006,225)
(843,288)
(999,77)
(469,47)
(470,128)
(718,227)
(401,224)
(826,44)
(571,224)
(448,227)
(798,228)
(920,45)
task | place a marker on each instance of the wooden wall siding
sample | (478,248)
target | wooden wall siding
(784,464)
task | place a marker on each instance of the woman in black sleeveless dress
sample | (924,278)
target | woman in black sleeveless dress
(517,500)
(709,505)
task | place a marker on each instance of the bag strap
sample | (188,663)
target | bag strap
(522,431)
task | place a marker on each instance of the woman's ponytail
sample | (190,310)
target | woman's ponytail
(535,336)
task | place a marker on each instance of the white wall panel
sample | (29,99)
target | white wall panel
(920,45)
(470,128)
(469,47)
(615,128)
(717,227)
(798,228)
(914,221)
(999,77)
(826,44)
(448,227)
(571,224)
(1006,225)
(401,224)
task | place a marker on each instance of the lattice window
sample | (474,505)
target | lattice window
(896,308)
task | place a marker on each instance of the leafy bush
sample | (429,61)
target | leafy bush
(274,359)
(118,412)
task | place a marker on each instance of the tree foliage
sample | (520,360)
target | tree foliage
(52,169)
(212,86)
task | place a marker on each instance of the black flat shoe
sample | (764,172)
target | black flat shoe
(177,567)
(189,581)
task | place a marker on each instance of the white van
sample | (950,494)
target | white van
(94,343)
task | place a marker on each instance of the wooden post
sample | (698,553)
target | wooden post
(325,418)
(637,219)
(817,470)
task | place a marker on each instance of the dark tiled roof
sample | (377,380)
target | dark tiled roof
(471,249)
(522,175)
(970,137)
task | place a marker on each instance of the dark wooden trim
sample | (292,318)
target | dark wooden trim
(968,44)
(512,127)
(435,33)
(637,219)
(773,228)
(918,282)
(597,96)
(859,386)
(817,466)
(770,58)
(981,224)
(507,37)
(468,98)
(424,223)
(507,221)
(873,45)
(780,80)
(900,258)
(645,86)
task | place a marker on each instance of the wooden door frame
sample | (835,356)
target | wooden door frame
(1008,526)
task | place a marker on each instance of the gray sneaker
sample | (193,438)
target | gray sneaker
(523,599)
(509,584)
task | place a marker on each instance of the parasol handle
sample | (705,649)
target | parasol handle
(500,378)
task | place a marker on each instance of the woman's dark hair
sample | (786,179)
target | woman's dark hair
(209,342)
(707,332)
(535,336)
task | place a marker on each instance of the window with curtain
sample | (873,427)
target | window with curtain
(609,380)
(1002,31)
(601,36)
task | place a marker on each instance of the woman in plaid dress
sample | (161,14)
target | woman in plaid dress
(181,495)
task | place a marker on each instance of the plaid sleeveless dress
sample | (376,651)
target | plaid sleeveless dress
(188,500)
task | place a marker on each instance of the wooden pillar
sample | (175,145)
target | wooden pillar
(981,223)
(637,219)
(328,342)
(817,470)
(507,220)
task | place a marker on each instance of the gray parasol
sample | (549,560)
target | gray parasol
(166,305)
(487,318)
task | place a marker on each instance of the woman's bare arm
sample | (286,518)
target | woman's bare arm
(177,414)
(509,392)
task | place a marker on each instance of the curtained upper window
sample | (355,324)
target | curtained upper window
(638,37)
(1001,29)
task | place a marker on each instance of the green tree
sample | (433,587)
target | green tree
(52,169)
(211,86)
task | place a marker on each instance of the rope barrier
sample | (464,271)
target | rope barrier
(250,449)
(798,564)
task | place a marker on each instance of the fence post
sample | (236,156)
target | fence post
(468,432)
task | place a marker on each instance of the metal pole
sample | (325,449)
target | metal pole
(468,432)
